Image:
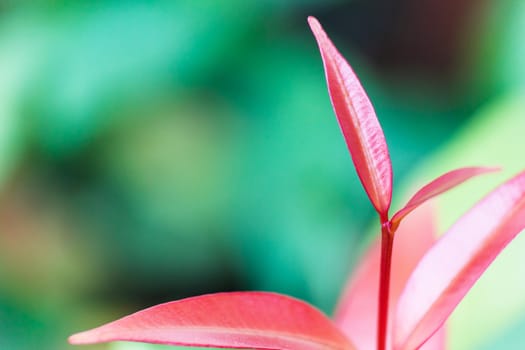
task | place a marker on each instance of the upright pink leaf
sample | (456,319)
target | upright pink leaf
(362,132)
(456,261)
(254,320)
(442,184)
(356,313)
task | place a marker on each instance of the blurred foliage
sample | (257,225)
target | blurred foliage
(155,150)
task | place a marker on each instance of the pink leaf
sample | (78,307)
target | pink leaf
(254,320)
(442,184)
(438,341)
(456,261)
(356,314)
(362,132)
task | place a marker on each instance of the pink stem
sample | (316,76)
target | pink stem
(387,241)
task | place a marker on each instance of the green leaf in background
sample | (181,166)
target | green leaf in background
(511,339)
(18,61)
(494,137)
(510,60)
(100,57)
(497,55)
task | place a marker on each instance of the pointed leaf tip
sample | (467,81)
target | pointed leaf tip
(452,266)
(254,320)
(438,186)
(357,119)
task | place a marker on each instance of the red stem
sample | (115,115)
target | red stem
(387,240)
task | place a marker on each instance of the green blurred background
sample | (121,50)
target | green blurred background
(155,150)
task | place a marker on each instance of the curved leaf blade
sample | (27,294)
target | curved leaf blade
(456,261)
(438,186)
(256,320)
(357,119)
(356,313)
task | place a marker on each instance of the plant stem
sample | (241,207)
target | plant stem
(387,240)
